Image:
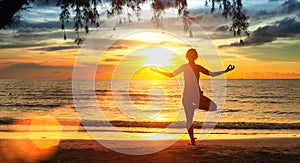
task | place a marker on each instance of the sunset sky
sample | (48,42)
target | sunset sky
(35,48)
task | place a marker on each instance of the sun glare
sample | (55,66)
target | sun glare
(156,56)
(141,49)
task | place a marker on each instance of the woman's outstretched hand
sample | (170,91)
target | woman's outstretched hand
(230,68)
(167,74)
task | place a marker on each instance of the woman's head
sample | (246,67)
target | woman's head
(191,55)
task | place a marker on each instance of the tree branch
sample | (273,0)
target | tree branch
(8,9)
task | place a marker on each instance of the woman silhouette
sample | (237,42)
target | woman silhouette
(193,97)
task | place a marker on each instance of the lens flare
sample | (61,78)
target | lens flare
(39,141)
(40,132)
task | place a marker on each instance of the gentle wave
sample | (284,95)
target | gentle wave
(232,110)
(220,125)
(33,105)
(180,124)
(282,112)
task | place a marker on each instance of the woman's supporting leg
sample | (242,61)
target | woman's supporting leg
(189,109)
(191,134)
(189,113)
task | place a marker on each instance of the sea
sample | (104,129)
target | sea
(251,108)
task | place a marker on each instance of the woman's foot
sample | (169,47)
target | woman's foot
(193,142)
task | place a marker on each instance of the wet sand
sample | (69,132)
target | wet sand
(227,150)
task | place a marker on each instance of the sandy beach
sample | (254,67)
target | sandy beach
(227,150)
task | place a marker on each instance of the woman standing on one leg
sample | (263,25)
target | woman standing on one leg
(190,100)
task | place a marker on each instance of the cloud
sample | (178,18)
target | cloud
(290,6)
(117,47)
(112,59)
(34,70)
(48,24)
(33,30)
(287,7)
(261,14)
(165,43)
(21,45)
(162,43)
(36,39)
(28,36)
(288,27)
(222,28)
(48,3)
(19,66)
(57,48)
(283,50)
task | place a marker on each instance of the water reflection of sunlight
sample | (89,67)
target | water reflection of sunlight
(162,137)
(153,96)
(157,117)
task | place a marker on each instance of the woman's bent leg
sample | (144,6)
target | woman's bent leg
(207,104)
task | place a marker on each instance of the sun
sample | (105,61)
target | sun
(160,56)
